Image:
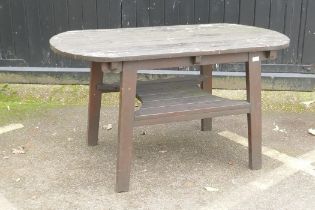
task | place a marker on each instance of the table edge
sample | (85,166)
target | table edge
(166,56)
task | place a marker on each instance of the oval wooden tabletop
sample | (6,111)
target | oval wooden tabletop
(127,44)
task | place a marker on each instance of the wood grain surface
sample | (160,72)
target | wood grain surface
(172,100)
(129,44)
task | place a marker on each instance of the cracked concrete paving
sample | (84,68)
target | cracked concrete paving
(172,165)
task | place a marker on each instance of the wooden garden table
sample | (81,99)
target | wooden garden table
(130,49)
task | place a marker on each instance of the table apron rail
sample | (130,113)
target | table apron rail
(186,61)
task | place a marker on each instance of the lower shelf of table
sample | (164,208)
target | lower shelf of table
(178,100)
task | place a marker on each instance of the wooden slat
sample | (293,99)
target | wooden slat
(47,29)
(302,30)
(187,108)
(309,43)
(156,12)
(202,11)
(292,27)
(262,13)
(152,95)
(19,30)
(186,12)
(103,13)
(143,85)
(247,12)
(191,116)
(89,14)
(171,12)
(157,87)
(6,45)
(216,11)
(60,7)
(143,8)
(129,11)
(231,11)
(168,96)
(33,27)
(75,14)
(180,99)
(277,15)
(75,11)
(277,20)
(115,13)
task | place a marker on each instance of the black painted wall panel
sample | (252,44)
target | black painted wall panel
(231,11)
(7,50)
(75,14)
(156,13)
(186,12)
(33,28)
(262,13)
(217,11)
(202,9)
(129,13)
(89,14)
(247,12)
(19,30)
(115,10)
(171,12)
(309,38)
(143,16)
(103,16)
(292,29)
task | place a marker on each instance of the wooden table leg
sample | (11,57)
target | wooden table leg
(95,97)
(206,84)
(253,86)
(128,81)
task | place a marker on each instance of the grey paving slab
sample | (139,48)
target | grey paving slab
(172,164)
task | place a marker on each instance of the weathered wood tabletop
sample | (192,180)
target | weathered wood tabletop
(110,45)
(130,49)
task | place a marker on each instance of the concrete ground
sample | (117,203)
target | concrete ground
(175,166)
